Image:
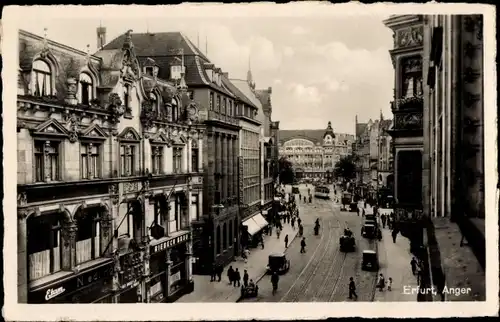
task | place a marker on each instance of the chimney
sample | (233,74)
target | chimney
(270,90)
(101,37)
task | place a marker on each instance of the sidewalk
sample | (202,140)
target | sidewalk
(394,261)
(206,291)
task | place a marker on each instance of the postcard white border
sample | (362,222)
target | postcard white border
(181,311)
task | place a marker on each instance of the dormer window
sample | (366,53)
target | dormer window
(148,70)
(42,78)
(176,71)
(86,89)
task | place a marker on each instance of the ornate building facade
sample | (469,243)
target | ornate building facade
(314,153)
(216,233)
(442,125)
(104,176)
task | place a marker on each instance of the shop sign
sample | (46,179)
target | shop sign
(169,243)
(52,293)
(175,278)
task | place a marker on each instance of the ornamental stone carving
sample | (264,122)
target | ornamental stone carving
(148,114)
(22,199)
(115,107)
(71,84)
(73,128)
(410,37)
(408,121)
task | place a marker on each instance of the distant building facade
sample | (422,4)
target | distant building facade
(314,153)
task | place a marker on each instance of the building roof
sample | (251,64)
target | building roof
(238,91)
(315,136)
(244,87)
(264,96)
(165,48)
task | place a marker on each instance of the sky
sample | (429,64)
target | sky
(321,67)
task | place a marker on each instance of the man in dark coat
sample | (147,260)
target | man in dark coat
(352,288)
(230,274)
(213,273)
(237,277)
(245,278)
(384,219)
(220,269)
(413,264)
(303,245)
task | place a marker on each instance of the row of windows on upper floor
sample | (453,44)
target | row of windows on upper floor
(227,107)
(49,160)
(43,85)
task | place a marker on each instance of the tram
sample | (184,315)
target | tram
(322,192)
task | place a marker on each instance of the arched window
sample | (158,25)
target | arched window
(42,78)
(154,102)
(44,245)
(175,110)
(86,88)
(218,241)
(88,242)
(224,237)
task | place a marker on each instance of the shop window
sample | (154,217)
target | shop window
(86,88)
(43,244)
(224,237)
(90,166)
(88,245)
(177,159)
(42,78)
(157,159)
(218,241)
(127,159)
(47,161)
(194,160)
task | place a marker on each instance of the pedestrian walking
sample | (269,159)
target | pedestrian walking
(274,281)
(389,284)
(299,221)
(262,241)
(286,241)
(213,273)
(293,223)
(303,245)
(394,235)
(237,277)
(352,288)
(381,282)
(245,278)
(383,218)
(278,232)
(230,274)
(413,264)
(220,270)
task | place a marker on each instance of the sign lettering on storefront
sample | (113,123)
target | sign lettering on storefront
(169,243)
(61,290)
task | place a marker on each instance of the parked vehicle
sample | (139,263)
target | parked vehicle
(369,231)
(369,261)
(322,192)
(278,263)
(249,291)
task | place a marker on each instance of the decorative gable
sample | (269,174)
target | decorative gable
(129,134)
(51,127)
(94,132)
(179,140)
(161,138)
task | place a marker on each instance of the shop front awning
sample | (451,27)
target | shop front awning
(259,219)
(252,225)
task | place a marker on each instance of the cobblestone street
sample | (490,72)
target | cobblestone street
(322,273)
